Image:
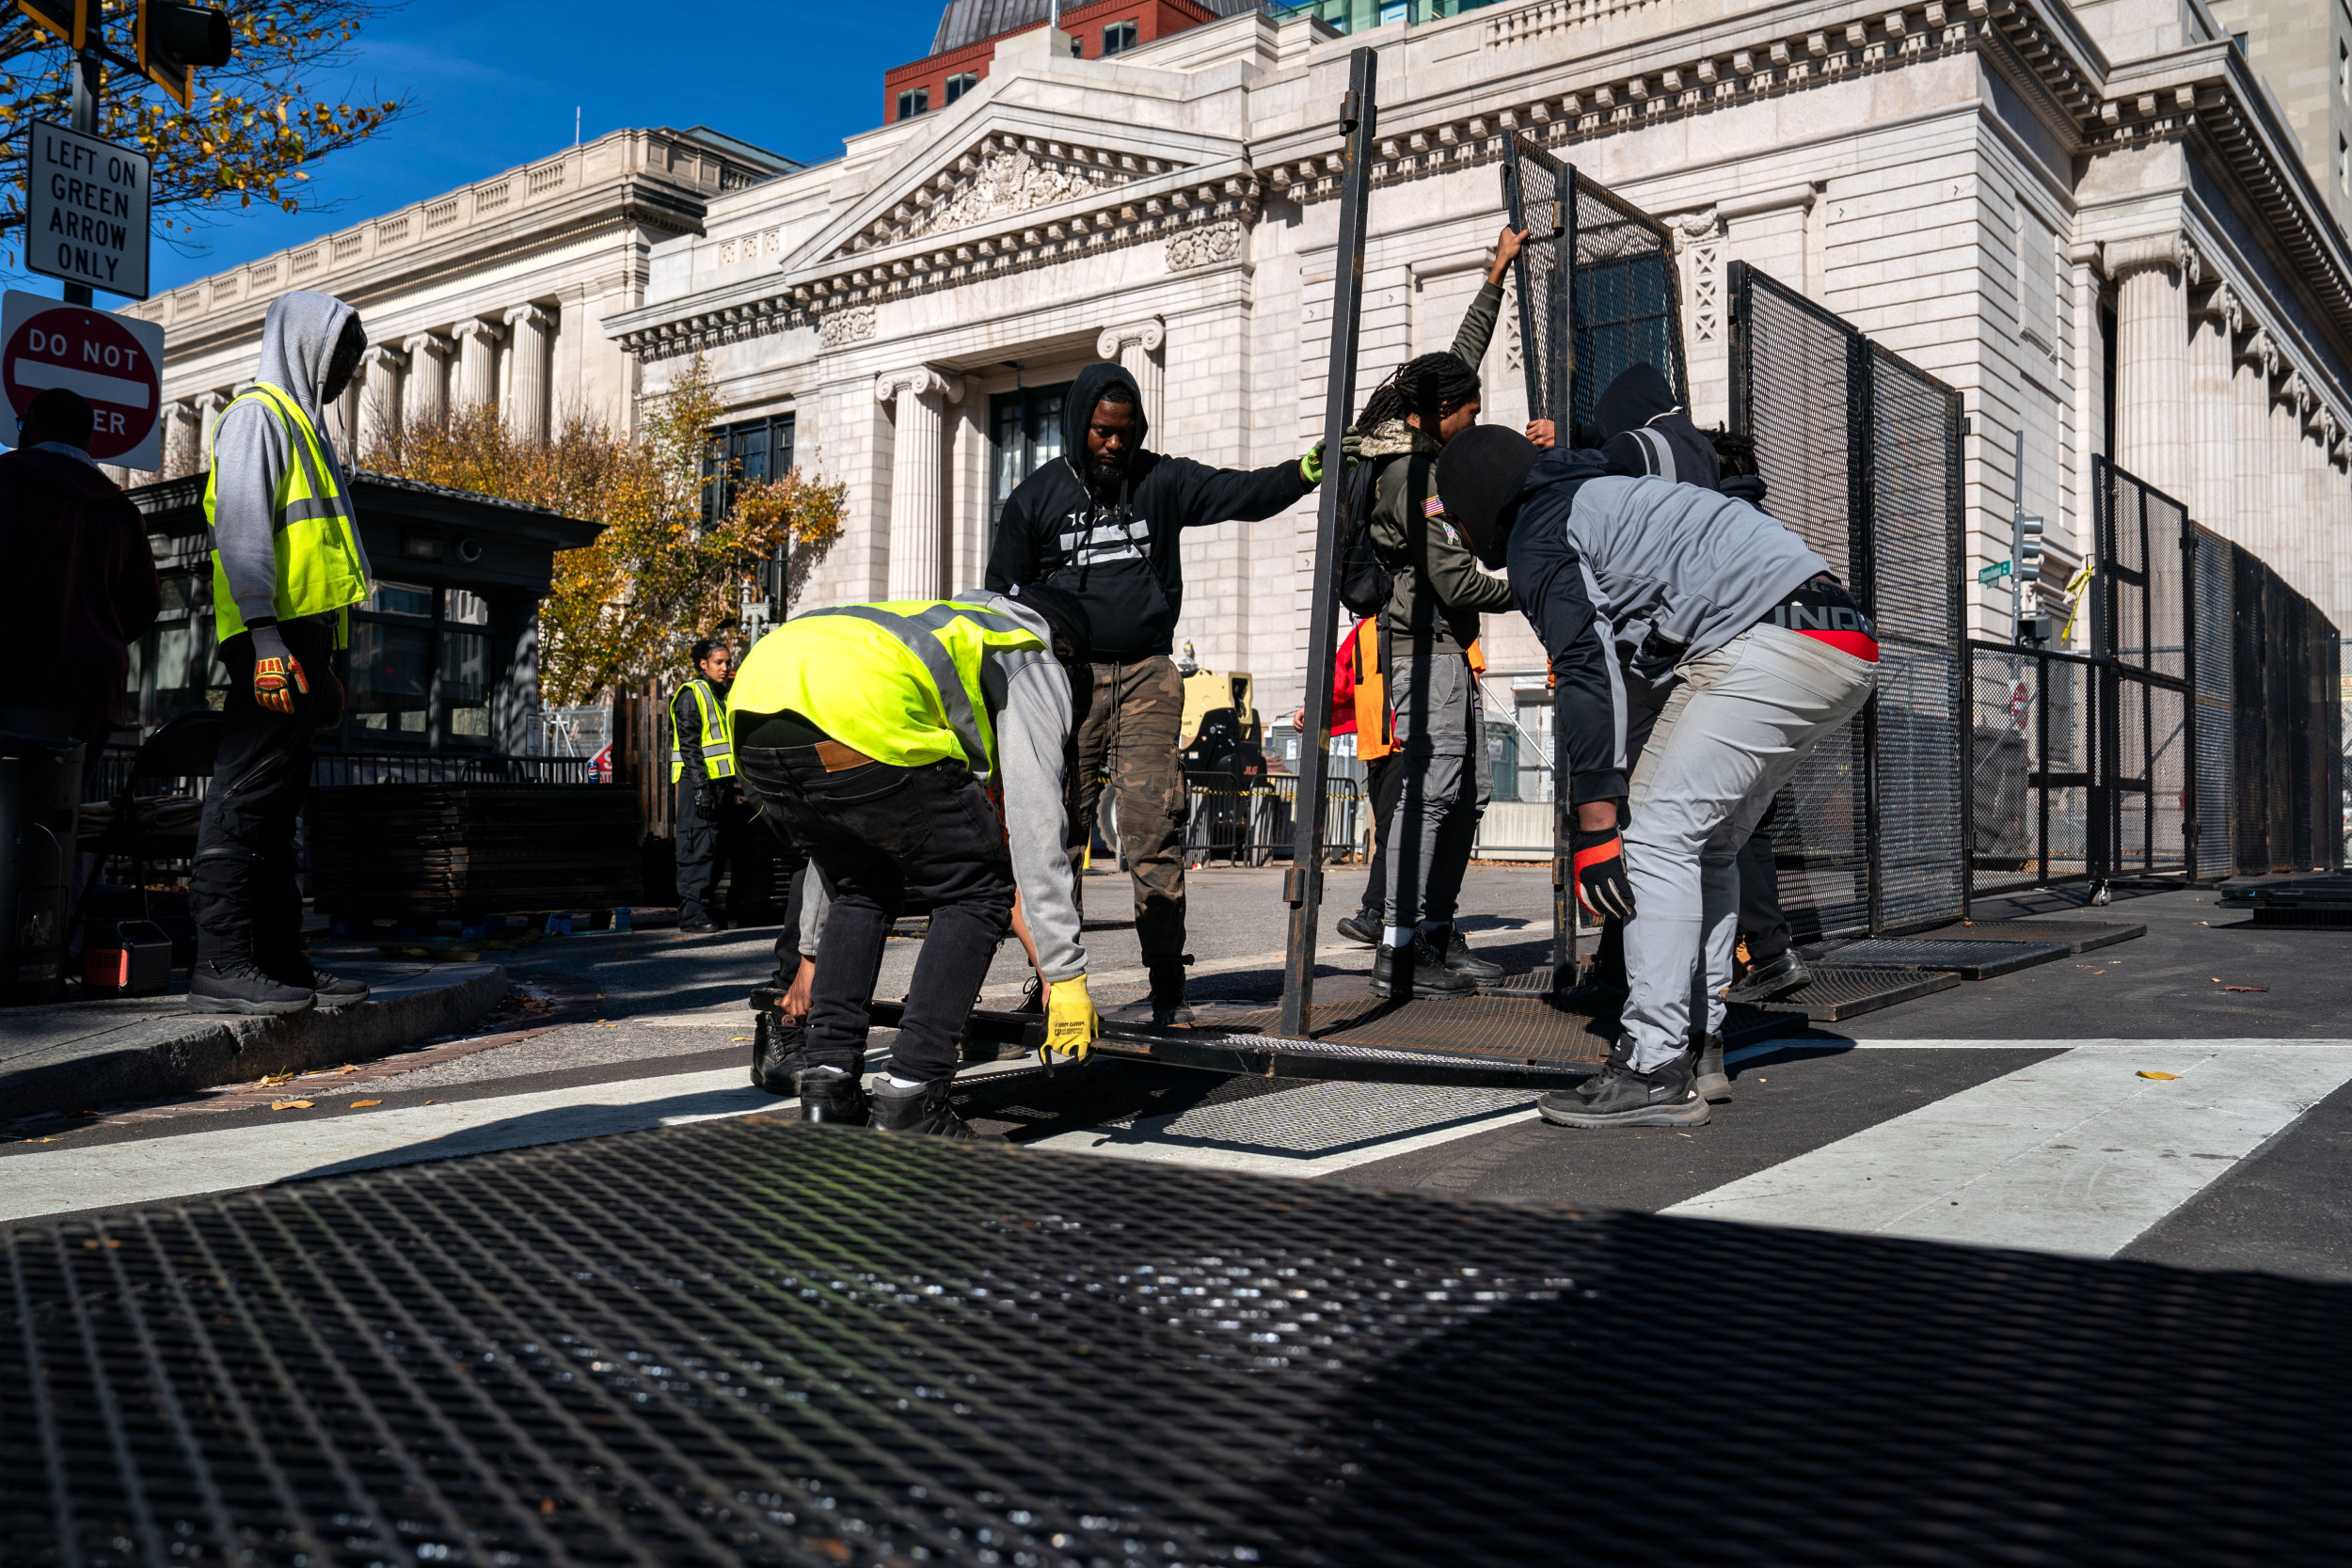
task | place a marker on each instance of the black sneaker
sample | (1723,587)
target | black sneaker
(1708,1077)
(828,1094)
(1661,1097)
(1168,995)
(241,987)
(699,927)
(1620,1057)
(921,1109)
(1416,970)
(1364,926)
(332,990)
(1771,979)
(1459,958)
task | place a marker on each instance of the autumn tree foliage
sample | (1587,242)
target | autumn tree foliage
(664,571)
(256,124)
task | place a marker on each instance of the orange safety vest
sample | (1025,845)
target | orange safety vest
(1376,721)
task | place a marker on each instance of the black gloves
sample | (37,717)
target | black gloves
(1601,885)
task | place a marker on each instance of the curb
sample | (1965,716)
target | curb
(214,1051)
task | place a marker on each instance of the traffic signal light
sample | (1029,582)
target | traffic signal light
(69,19)
(173,40)
(2028,550)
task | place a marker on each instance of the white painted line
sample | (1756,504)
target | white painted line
(2077,1154)
(153,1170)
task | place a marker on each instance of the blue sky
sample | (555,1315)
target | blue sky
(495,83)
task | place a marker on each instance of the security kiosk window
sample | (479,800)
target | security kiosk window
(401,598)
(465,676)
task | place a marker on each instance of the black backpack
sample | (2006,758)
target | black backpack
(1363,582)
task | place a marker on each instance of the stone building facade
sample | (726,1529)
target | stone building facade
(2090,218)
(495,293)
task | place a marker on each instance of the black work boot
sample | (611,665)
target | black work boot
(1620,1056)
(332,990)
(1770,979)
(921,1109)
(779,1053)
(828,1094)
(1459,958)
(1663,1097)
(1416,970)
(239,986)
(1708,1077)
(1168,995)
(1364,926)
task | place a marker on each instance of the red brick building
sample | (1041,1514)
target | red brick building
(969,31)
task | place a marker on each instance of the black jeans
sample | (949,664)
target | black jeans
(881,835)
(248,905)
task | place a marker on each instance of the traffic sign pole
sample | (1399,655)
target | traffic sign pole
(86,88)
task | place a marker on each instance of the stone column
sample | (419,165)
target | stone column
(2250,404)
(181,424)
(379,410)
(2212,417)
(1135,346)
(2151,436)
(2319,573)
(533,330)
(917,397)
(208,407)
(427,404)
(477,364)
(2290,519)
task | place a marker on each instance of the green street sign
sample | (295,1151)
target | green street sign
(1994,573)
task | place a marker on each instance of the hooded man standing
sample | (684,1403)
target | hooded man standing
(287,566)
(1101,523)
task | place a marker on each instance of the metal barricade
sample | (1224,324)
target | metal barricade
(1862,453)
(1254,823)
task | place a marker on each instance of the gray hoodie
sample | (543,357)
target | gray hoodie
(251,448)
(1032,721)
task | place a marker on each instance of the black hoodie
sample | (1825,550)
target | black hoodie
(1643,430)
(1116,551)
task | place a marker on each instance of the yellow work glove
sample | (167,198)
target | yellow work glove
(1070,1022)
(1311,465)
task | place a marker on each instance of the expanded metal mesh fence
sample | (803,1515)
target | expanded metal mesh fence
(1862,452)
(1625,306)
(2285,733)
(2213,729)
(1534,189)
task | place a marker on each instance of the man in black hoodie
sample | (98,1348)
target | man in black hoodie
(1102,522)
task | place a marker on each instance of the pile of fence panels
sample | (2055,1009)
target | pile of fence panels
(438,849)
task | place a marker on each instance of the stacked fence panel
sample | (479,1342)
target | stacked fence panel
(1913,589)
(2214,732)
(1794,392)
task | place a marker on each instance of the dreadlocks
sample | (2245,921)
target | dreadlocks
(1432,385)
(1734,452)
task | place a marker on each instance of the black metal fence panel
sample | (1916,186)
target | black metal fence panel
(1626,303)
(1535,191)
(2213,730)
(1862,453)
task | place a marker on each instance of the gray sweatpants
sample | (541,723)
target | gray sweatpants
(1441,737)
(1744,718)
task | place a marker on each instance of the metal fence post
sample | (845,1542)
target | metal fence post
(1303,888)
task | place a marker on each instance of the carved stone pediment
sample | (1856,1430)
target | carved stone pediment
(1003,177)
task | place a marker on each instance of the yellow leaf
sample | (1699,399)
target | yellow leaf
(273,1079)
(289,1105)
(2166,1076)
(362,1104)
(346,1067)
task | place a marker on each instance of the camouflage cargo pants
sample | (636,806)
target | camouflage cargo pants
(1130,735)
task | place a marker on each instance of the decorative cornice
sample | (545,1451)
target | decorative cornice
(1149,334)
(2119,259)
(921,380)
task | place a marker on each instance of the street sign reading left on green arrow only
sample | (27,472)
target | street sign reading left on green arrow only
(86,205)
(1994,573)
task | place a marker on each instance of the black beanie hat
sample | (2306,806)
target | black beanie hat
(1478,479)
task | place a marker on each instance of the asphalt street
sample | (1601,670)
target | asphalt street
(2185,1098)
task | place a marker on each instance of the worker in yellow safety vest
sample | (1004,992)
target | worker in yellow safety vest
(287,566)
(711,822)
(918,750)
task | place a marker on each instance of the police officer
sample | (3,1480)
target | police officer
(287,566)
(702,771)
(919,749)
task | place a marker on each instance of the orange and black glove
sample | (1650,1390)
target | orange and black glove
(1601,884)
(277,676)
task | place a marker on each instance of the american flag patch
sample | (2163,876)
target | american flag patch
(1431,507)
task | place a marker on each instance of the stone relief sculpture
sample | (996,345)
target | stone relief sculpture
(1199,247)
(1008,182)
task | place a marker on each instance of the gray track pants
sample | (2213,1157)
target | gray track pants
(1447,780)
(1744,718)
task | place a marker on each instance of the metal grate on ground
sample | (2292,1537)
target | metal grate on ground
(1970,960)
(2076,936)
(754,1342)
(1840,993)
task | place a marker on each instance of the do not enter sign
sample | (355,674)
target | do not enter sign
(114,363)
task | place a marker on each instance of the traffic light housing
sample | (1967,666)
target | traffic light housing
(175,40)
(2028,550)
(70,20)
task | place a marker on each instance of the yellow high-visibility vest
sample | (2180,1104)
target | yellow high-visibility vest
(718,742)
(905,682)
(317,532)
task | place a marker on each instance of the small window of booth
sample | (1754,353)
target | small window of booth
(443,654)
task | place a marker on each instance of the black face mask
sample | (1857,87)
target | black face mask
(344,363)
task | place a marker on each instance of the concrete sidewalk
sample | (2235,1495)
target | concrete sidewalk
(74,1056)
